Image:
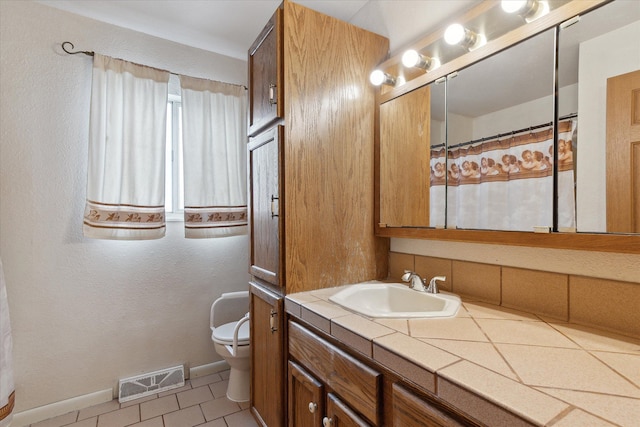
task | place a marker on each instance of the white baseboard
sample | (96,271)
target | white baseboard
(211,368)
(41,413)
(62,407)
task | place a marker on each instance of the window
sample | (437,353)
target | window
(174,172)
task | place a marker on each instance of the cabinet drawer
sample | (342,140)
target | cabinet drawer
(356,383)
(411,410)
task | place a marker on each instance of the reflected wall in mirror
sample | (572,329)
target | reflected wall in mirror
(596,63)
(500,140)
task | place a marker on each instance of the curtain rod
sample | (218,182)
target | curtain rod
(513,132)
(91,53)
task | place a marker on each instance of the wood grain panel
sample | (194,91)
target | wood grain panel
(329,152)
(340,415)
(265,69)
(304,391)
(264,185)
(411,411)
(267,358)
(405,128)
(623,134)
(355,382)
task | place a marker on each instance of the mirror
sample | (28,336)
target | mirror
(593,52)
(500,140)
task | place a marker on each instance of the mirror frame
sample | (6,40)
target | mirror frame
(620,243)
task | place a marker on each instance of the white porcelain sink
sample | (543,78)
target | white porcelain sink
(395,300)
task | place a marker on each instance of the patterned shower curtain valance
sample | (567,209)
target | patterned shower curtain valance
(505,184)
(127,131)
(214,148)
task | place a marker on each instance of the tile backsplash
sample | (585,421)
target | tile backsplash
(606,304)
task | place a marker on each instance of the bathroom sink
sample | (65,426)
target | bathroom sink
(395,300)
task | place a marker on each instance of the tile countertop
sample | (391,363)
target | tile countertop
(495,362)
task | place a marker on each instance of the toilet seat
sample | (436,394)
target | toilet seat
(223,334)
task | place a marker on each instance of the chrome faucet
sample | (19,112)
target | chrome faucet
(433,285)
(415,281)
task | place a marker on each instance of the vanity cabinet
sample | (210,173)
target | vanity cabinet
(329,386)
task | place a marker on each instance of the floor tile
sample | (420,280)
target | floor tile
(241,419)
(100,409)
(120,418)
(153,422)
(208,379)
(189,417)
(158,407)
(218,408)
(58,421)
(215,423)
(89,422)
(219,389)
(195,396)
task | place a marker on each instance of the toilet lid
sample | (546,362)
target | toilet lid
(224,333)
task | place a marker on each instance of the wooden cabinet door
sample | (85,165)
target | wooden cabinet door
(265,215)
(410,410)
(306,398)
(404,160)
(267,357)
(340,415)
(265,76)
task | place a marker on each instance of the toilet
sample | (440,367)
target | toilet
(229,323)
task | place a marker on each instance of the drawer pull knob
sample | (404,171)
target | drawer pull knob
(313,407)
(327,422)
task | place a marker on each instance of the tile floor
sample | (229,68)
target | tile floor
(201,402)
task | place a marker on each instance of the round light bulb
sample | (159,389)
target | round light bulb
(376,77)
(513,6)
(454,34)
(410,58)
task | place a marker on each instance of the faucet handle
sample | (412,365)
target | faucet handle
(407,275)
(433,285)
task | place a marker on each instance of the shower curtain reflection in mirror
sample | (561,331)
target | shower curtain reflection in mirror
(505,184)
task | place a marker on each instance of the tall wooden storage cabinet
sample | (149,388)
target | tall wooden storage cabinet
(311,175)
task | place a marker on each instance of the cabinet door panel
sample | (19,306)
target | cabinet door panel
(411,411)
(306,398)
(265,205)
(267,357)
(265,88)
(404,160)
(340,415)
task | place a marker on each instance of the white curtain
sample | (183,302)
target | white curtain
(214,132)
(505,184)
(125,186)
(7,390)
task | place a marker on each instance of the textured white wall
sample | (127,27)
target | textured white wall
(87,312)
